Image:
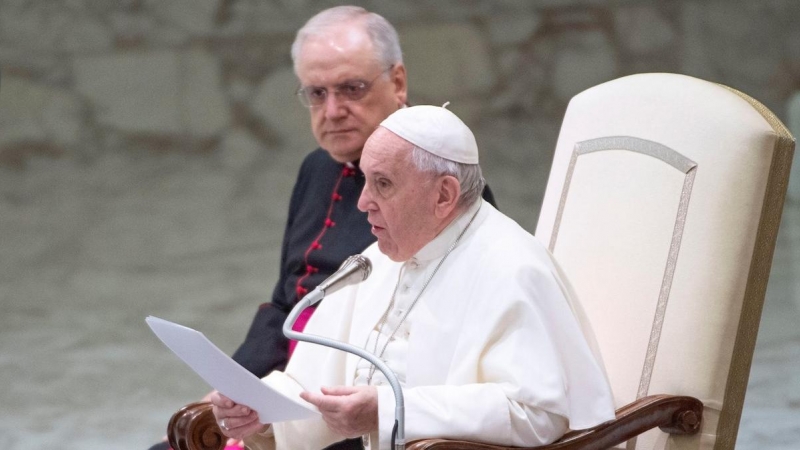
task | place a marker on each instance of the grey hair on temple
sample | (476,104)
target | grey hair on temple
(469,176)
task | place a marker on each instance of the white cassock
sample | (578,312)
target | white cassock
(491,352)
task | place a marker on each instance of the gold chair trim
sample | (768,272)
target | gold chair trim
(755,290)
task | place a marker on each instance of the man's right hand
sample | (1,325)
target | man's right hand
(236,421)
(231,442)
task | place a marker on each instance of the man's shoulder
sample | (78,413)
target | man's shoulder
(318,159)
(502,237)
(317,167)
(503,227)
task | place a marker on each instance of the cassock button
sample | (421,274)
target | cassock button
(316,245)
(336,197)
(311,269)
(301,291)
(329,223)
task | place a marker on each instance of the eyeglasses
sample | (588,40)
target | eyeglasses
(351,91)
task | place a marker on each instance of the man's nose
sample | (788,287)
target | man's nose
(335,108)
(363,201)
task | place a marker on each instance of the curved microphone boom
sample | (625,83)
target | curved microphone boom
(353,270)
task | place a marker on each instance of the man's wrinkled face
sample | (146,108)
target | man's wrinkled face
(399,199)
(335,60)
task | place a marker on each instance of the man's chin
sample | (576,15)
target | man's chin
(390,251)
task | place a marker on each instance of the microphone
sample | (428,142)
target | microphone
(353,270)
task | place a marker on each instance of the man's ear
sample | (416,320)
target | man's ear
(400,81)
(449,191)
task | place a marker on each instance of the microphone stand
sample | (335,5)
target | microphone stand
(398,433)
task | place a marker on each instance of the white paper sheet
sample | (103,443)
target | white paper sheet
(227,376)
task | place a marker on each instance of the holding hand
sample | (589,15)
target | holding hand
(350,411)
(236,421)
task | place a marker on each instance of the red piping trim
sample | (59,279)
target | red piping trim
(315,243)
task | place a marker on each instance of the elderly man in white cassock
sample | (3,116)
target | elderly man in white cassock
(466,307)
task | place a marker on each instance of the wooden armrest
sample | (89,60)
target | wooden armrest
(194,427)
(673,414)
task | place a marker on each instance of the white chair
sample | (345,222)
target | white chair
(662,207)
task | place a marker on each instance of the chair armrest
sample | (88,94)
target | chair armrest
(673,414)
(193,427)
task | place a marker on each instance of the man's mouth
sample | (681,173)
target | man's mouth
(335,132)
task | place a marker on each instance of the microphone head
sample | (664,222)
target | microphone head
(353,270)
(363,263)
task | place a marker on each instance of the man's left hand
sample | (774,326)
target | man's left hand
(351,411)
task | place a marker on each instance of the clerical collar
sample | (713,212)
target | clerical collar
(439,245)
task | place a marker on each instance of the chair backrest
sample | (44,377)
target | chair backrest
(663,207)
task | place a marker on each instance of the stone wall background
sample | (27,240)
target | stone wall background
(212,78)
(147,151)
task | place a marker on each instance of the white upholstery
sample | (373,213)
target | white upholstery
(665,188)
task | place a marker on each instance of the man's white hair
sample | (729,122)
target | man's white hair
(469,176)
(382,34)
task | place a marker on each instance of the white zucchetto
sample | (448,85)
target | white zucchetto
(435,130)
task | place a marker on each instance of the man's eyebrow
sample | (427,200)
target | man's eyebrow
(379,173)
(349,80)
